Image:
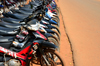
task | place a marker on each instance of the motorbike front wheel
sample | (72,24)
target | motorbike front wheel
(58,11)
(56,34)
(57,20)
(54,40)
(51,55)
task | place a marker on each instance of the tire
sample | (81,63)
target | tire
(54,55)
(56,19)
(32,61)
(56,26)
(57,10)
(50,60)
(56,30)
(54,41)
(56,34)
(56,13)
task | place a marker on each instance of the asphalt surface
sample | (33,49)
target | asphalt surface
(82,22)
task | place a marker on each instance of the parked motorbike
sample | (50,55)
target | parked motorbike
(28,42)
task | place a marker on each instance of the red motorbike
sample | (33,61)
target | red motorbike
(35,48)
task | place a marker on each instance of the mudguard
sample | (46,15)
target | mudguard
(45,44)
(40,36)
(50,21)
(48,15)
(49,31)
(39,41)
(48,35)
(47,26)
(50,26)
(53,22)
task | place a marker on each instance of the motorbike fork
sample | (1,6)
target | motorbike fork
(42,53)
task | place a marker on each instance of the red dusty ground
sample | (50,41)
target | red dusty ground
(82,20)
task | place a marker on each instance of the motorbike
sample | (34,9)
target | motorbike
(7,20)
(36,46)
(22,57)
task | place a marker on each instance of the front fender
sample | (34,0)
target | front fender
(48,35)
(48,15)
(46,44)
(53,22)
(50,26)
(49,31)
(39,41)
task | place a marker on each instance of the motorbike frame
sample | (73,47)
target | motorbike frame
(23,54)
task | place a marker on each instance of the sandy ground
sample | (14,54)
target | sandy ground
(82,20)
(65,48)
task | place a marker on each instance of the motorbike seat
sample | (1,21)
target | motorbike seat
(6,42)
(9,25)
(36,3)
(26,9)
(11,20)
(8,31)
(6,39)
(16,16)
(27,6)
(21,12)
